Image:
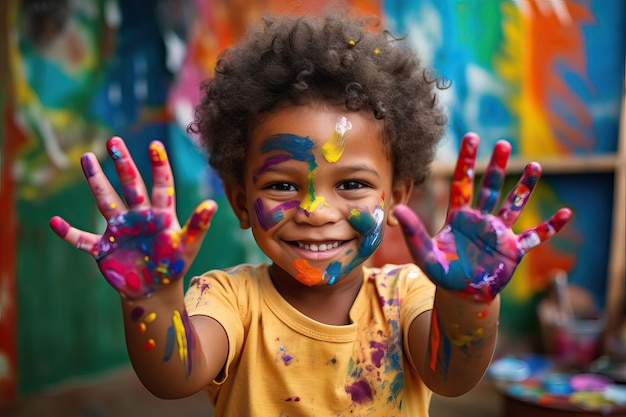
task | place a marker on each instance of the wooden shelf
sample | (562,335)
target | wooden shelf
(553,165)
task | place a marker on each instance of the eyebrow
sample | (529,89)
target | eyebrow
(352,169)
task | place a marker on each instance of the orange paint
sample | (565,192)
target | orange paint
(307,274)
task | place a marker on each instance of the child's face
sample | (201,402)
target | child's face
(317,191)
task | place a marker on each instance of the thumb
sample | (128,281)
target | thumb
(198,223)
(416,236)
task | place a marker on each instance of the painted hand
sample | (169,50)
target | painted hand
(143,248)
(476,252)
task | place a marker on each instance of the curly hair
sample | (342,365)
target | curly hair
(332,59)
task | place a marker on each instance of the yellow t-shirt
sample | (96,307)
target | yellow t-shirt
(282,363)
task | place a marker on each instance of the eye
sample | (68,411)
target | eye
(351,185)
(281,186)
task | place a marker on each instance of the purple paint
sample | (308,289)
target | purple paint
(360,391)
(285,357)
(88,168)
(378,353)
(270,162)
(270,218)
(136,313)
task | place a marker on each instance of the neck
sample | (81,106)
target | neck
(328,304)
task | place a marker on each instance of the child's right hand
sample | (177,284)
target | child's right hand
(143,248)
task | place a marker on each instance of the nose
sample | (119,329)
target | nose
(316,212)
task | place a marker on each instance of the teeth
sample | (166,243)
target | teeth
(318,248)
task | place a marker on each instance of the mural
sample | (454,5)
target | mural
(545,75)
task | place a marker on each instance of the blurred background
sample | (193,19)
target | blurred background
(546,75)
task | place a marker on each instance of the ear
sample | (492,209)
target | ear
(400,194)
(236,195)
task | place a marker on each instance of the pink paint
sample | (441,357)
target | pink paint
(60,226)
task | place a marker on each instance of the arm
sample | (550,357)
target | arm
(144,254)
(470,260)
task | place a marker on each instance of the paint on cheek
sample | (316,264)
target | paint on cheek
(333,272)
(270,218)
(371,227)
(307,274)
(333,148)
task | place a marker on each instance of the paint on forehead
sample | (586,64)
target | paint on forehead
(299,147)
(333,148)
(270,218)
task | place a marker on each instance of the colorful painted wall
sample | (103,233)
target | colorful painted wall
(546,75)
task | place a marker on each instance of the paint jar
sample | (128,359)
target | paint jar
(577,343)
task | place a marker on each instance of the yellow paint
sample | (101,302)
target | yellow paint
(181,336)
(334,147)
(311,205)
(157,153)
(150,317)
(467,339)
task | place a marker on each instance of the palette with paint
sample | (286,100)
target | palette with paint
(534,384)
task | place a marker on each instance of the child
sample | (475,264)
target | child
(319,128)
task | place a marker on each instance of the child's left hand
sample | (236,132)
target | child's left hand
(476,252)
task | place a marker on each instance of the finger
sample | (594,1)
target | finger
(463,179)
(87,242)
(162,177)
(198,223)
(491,184)
(533,237)
(417,238)
(133,187)
(519,195)
(108,201)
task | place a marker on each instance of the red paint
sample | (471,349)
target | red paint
(133,280)
(8,243)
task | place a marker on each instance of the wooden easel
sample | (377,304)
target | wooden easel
(616,280)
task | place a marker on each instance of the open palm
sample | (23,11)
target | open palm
(476,252)
(143,248)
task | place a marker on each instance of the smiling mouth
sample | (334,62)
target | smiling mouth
(314,247)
